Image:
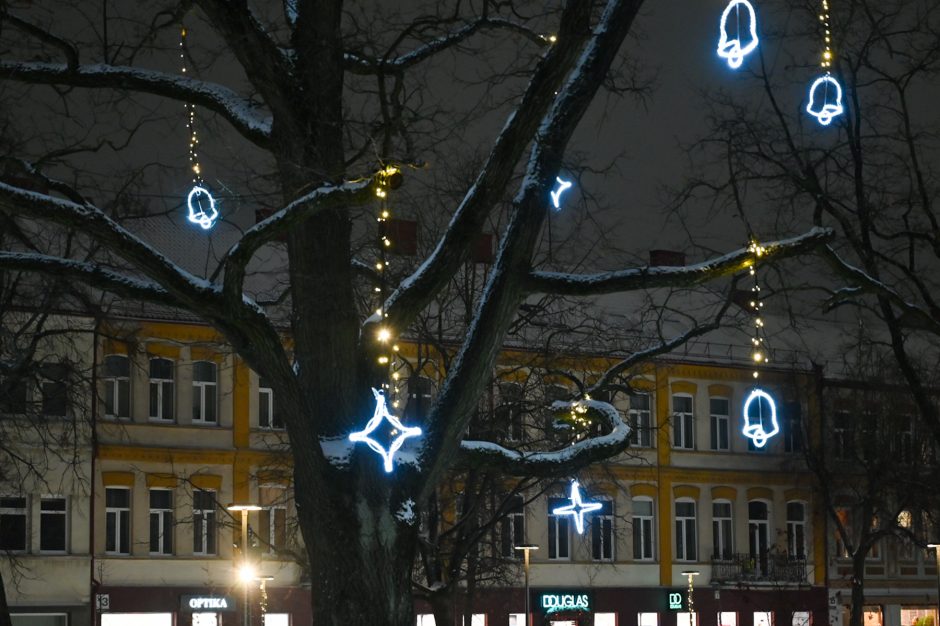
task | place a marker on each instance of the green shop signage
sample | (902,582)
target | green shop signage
(564,601)
(676,599)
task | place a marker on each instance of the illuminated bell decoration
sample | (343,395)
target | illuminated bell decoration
(578,508)
(825,99)
(402,432)
(202,208)
(563,186)
(736,48)
(757,426)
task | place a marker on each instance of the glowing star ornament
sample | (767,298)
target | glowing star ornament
(578,508)
(825,99)
(757,426)
(563,186)
(202,209)
(381,414)
(736,48)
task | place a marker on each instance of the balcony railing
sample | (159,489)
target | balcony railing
(767,567)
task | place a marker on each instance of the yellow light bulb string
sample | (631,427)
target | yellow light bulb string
(385,336)
(827,56)
(691,604)
(190,120)
(758,346)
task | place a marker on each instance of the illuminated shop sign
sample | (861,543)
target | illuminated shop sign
(564,601)
(203,604)
(676,599)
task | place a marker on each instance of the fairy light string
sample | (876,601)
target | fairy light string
(388,347)
(199,202)
(825,94)
(758,344)
(195,168)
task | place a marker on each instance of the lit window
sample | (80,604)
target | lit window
(161,521)
(53,525)
(647,619)
(117,520)
(13,524)
(686,548)
(204,522)
(205,392)
(643,529)
(683,424)
(117,386)
(162,397)
(559,530)
(763,618)
(684,618)
(720,423)
(727,619)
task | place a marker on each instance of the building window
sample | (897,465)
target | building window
(53,525)
(117,386)
(510,411)
(906,540)
(843,435)
(758,532)
(205,392)
(267,415)
(792,427)
(722,530)
(720,423)
(13,396)
(273,528)
(685,531)
(204,522)
(13,524)
(641,421)
(420,392)
(683,425)
(726,618)
(602,532)
(117,520)
(54,389)
(512,528)
(161,389)
(905,439)
(559,530)
(161,521)
(643,529)
(796,530)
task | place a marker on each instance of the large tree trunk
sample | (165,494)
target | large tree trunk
(857,616)
(5,619)
(443,606)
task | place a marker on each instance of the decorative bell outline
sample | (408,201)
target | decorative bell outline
(828,91)
(734,49)
(202,208)
(759,427)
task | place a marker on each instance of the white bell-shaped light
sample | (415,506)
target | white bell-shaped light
(744,26)
(760,417)
(202,208)
(825,99)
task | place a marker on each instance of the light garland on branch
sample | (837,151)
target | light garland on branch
(199,202)
(734,49)
(825,94)
(758,427)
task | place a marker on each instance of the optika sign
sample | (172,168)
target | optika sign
(558,602)
(203,604)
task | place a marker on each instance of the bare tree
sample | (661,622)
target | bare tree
(325,95)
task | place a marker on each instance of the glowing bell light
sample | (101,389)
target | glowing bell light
(757,426)
(825,90)
(735,49)
(202,208)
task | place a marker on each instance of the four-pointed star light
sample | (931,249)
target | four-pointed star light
(402,432)
(578,508)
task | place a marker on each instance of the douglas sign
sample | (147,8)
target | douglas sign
(564,601)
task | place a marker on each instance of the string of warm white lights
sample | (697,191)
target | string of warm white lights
(758,426)
(201,204)
(384,335)
(759,351)
(825,94)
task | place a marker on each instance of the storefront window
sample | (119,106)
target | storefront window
(802,618)
(647,619)
(605,619)
(136,619)
(46,619)
(685,618)
(276,619)
(477,619)
(517,619)
(205,619)
(425,619)
(763,618)
(727,619)
(918,617)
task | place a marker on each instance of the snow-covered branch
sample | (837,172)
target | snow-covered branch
(88,273)
(241,113)
(558,462)
(282,221)
(689,275)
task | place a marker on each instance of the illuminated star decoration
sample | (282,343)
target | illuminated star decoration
(731,48)
(578,508)
(563,186)
(828,110)
(381,413)
(754,424)
(202,209)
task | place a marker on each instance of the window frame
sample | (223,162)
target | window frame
(683,525)
(559,528)
(722,526)
(796,529)
(641,422)
(116,385)
(17,511)
(717,419)
(122,523)
(644,529)
(266,399)
(603,533)
(754,524)
(203,390)
(55,513)
(679,425)
(512,525)
(157,388)
(164,517)
(209,534)
(54,390)
(510,413)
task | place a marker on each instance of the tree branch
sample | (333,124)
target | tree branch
(240,112)
(71,54)
(689,275)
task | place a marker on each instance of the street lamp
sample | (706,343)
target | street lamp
(936,553)
(245,571)
(690,574)
(526,549)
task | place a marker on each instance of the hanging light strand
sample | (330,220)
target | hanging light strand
(759,352)
(195,168)
(826,62)
(389,351)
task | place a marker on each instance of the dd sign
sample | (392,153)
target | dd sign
(676,600)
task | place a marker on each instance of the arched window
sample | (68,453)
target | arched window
(116,373)
(205,392)
(162,392)
(758,532)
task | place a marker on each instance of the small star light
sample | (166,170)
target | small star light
(734,49)
(754,424)
(402,432)
(563,186)
(826,90)
(578,508)
(202,209)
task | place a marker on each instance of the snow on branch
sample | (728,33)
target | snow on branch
(689,275)
(279,223)
(240,112)
(557,462)
(87,273)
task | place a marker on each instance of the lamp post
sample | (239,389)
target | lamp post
(936,554)
(690,574)
(526,549)
(245,571)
